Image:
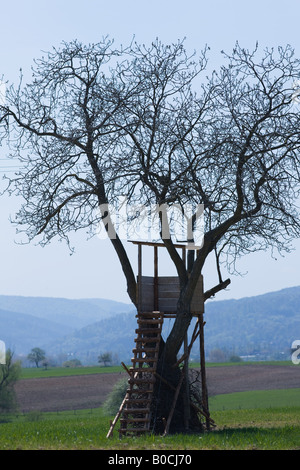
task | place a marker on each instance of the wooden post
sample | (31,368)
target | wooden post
(113,423)
(187,414)
(203,370)
(155,279)
(184,254)
(139,299)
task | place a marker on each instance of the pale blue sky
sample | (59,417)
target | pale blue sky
(27,28)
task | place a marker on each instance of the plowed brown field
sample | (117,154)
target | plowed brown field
(90,391)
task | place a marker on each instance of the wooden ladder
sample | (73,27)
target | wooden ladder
(135,411)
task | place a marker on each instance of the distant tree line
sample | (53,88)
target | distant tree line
(38,357)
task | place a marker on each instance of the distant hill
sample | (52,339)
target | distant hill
(114,334)
(21,331)
(69,312)
(265,326)
(28,322)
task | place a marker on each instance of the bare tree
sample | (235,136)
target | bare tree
(105,358)
(96,122)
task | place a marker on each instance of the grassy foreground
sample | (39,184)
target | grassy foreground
(273,429)
(264,428)
(257,420)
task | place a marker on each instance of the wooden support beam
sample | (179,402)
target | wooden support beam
(160,244)
(164,380)
(109,434)
(139,289)
(203,370)
(126,368)
(193,339)
(187,413)
(155,285)
(192,404)
(199,410)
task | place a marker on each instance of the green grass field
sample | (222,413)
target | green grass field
(244,429)
(262,420)
(262,399)
(34,372)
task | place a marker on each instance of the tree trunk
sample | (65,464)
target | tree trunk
(169,412)
(174,407)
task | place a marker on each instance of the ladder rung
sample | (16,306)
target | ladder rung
(150,314)
(135,420)
(150,321)
(133,430)
(137,401)
(145,350)
(147,340)
(140,381)
(130,411)
(139,392)
(143,359)
(155,331)
(143,369)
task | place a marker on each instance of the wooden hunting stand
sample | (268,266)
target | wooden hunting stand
(157,299)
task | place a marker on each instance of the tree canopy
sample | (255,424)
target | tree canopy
(96,122)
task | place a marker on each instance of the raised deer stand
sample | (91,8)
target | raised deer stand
(157,299)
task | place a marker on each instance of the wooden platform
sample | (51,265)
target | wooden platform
(162,293)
